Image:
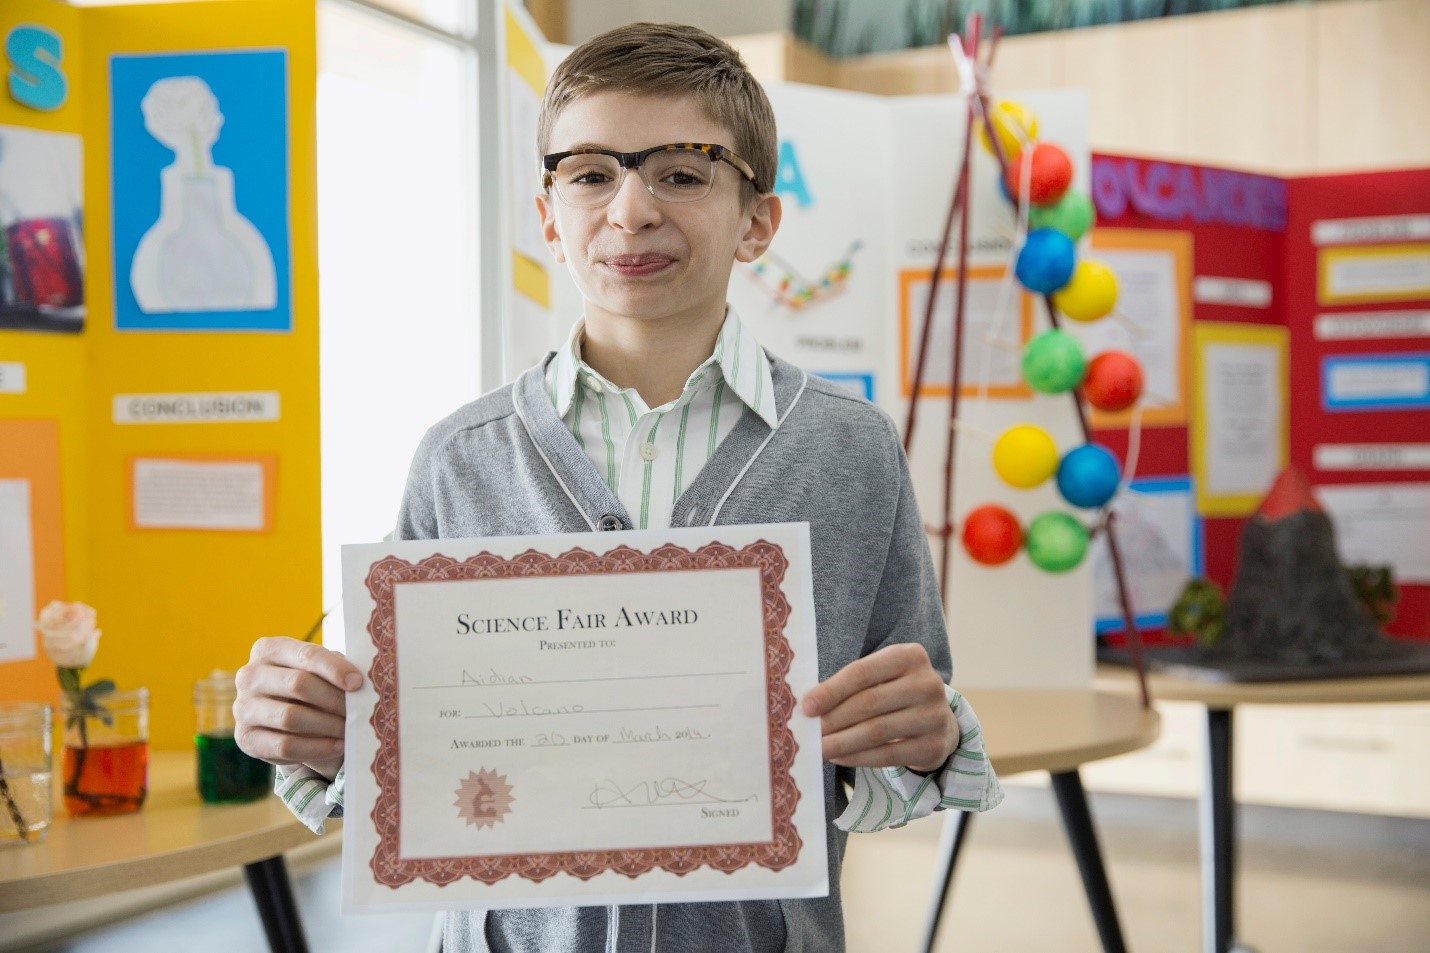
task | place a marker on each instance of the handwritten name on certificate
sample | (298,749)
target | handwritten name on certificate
(582,719)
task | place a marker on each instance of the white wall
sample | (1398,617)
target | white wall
(586,18)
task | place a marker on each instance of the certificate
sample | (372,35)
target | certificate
(582,719)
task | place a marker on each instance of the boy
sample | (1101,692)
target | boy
(658,150)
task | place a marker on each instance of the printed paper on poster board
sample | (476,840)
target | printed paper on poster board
(1239,432)
(1371,382)
(1354,274)
(1160,534)
(998,321)
(42,270)
(1151,321)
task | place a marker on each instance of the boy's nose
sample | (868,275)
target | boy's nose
(633,207)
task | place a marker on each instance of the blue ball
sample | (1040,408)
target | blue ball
(1046,260)
(1088,476)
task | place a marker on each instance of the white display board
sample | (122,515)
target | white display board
(880,172)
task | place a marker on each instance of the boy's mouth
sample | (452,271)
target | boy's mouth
(647,263)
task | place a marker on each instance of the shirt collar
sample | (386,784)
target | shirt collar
(742,362)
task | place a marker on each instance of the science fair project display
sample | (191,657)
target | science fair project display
(1199,299)
(158,337)
(1300,309)
(583,719)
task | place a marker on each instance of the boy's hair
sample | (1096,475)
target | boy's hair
(670,59)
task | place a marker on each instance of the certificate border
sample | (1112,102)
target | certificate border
(384,575)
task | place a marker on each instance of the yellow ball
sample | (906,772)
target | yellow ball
(1025,456)
(1013,123)
(1091,294)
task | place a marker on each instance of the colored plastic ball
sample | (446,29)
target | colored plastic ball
(1046,261)
(1048,171)
(1091,294)
(1025,455)
(1013,123)
(1053,362)
(1113,381)
(1056,542)
(1088,476)
(1072,215)
(991,535)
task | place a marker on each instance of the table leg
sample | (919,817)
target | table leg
(955,829)
(268,879)
(1077,821)
(1218,837)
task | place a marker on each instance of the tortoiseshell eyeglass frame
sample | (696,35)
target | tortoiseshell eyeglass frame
(634,160)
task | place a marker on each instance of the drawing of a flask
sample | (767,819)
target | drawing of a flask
(202,254)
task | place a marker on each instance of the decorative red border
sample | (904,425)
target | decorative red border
(780,852)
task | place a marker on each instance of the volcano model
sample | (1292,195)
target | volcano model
(1292,600)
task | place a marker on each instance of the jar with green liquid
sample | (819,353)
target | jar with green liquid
(226,775)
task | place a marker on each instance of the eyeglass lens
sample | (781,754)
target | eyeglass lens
(675,175)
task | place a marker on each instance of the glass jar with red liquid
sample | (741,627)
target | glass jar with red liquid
(106,753)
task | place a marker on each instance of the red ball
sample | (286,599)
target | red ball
(1113,381)
(992,535)
(1049,177)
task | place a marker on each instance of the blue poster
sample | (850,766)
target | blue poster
(1376,381)
(859,383)
(200,191)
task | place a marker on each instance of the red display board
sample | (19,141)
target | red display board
(1337,270)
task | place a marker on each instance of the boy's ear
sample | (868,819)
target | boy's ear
(549,232)
(761,222)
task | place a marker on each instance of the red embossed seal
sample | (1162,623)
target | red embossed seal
(484,798)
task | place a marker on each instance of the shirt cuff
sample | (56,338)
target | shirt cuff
(891,797)
(309,795)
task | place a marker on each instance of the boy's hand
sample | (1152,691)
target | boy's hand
(885,710)
(292,703)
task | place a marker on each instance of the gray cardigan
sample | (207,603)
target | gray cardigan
(506,464)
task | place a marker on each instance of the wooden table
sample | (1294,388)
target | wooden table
(1054,731)
(174,836)
(1217,816)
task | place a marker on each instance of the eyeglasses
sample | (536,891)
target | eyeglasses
(679,172)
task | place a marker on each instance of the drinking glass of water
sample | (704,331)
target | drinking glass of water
(24,772)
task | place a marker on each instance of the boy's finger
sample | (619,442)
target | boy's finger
(290,718)
(885,665)
(866,704)
(309,657)
(277,747)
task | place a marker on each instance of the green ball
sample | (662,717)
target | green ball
(1072,215)
(1053,362)
(1056,542)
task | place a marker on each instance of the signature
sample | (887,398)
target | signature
(659,792)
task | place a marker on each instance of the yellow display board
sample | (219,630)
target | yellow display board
(183,392)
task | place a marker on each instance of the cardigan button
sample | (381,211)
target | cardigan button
(609,523)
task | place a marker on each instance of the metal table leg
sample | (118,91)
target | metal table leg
(1077,821)
(955,829)
(1218,836)
(268,880)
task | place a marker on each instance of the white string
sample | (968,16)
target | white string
(1134,445)
(959,426)
(1008,287)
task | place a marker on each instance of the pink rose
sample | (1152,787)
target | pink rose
(68,632)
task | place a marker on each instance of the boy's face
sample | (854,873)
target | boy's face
(639,257)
